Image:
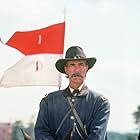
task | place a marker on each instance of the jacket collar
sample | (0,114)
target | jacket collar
(83,92)
(71,89)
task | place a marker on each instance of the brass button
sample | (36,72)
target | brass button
(73,100)
(72,117)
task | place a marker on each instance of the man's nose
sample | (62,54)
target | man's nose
(77,68)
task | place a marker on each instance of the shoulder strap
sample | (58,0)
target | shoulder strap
(64,120)
(77,117)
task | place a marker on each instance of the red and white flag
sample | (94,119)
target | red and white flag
(35,31)
(42,48)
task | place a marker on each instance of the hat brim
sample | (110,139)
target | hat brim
(61,63)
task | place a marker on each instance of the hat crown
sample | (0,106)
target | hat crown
(75,52)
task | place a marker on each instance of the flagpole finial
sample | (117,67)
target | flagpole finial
(1,40)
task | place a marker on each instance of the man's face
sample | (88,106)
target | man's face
(76,71)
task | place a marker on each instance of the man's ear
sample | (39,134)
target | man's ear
(65,68)
(87,68)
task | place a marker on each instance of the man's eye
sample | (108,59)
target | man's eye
(72,65)
(82,64)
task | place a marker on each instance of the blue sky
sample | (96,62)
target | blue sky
(107,30)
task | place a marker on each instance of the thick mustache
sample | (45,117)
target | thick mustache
(77,75)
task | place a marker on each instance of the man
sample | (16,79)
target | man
(74,113)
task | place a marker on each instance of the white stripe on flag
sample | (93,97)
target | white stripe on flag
(33,70)
(8,57)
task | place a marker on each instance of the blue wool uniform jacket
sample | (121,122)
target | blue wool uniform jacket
(92,108)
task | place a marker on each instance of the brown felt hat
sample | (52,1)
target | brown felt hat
(74,53)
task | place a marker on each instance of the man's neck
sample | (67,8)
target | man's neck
(76,87)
